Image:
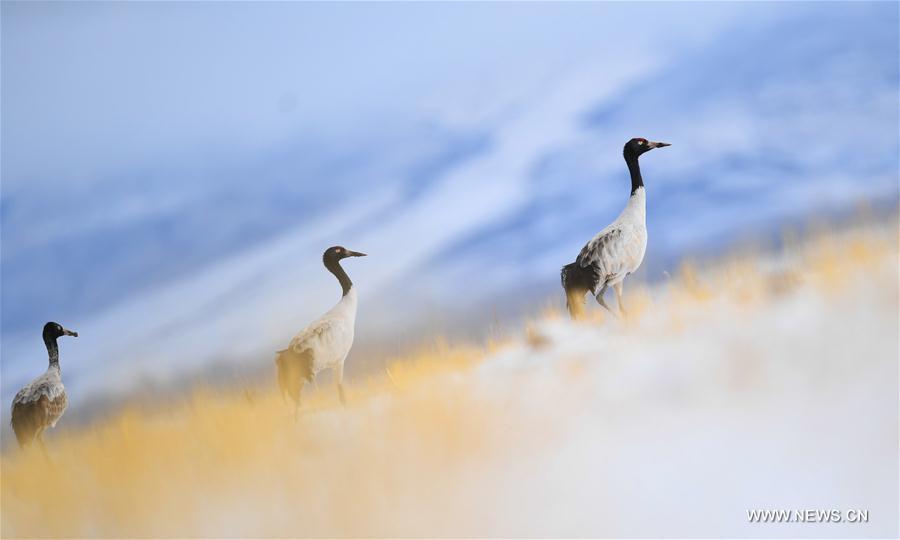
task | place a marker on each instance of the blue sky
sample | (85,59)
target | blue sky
(172,171)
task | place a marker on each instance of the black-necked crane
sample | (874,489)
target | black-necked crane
(43,401)
(326,342)
(617,250)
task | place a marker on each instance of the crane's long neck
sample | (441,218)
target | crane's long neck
(334,266)
(52,350)
(637,181)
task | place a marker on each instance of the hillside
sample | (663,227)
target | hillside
(761,380)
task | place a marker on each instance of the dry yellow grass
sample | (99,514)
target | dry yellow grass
(403,458)
(217,459)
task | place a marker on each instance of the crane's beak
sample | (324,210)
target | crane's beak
(69,333)
(652,144)
(355,254)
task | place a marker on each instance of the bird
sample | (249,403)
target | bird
(41,403)
(326,342)
(616,251)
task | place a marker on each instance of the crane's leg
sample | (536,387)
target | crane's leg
(339,380)
(600,299)
(618,287)
(39,437)
(295,390)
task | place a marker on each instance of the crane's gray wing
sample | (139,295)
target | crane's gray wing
(318,336)
(602,251)
(47,385)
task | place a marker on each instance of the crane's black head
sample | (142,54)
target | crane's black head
(53,330)
(637,146)
(331,258)
(336,253)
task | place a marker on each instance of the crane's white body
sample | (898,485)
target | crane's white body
(329,338)
(618,250)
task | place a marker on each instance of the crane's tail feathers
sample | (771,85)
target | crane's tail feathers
(577,281)
(26,421)
(575,302)
(293,370)
(564,275)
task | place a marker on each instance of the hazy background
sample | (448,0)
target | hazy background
(171,172)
